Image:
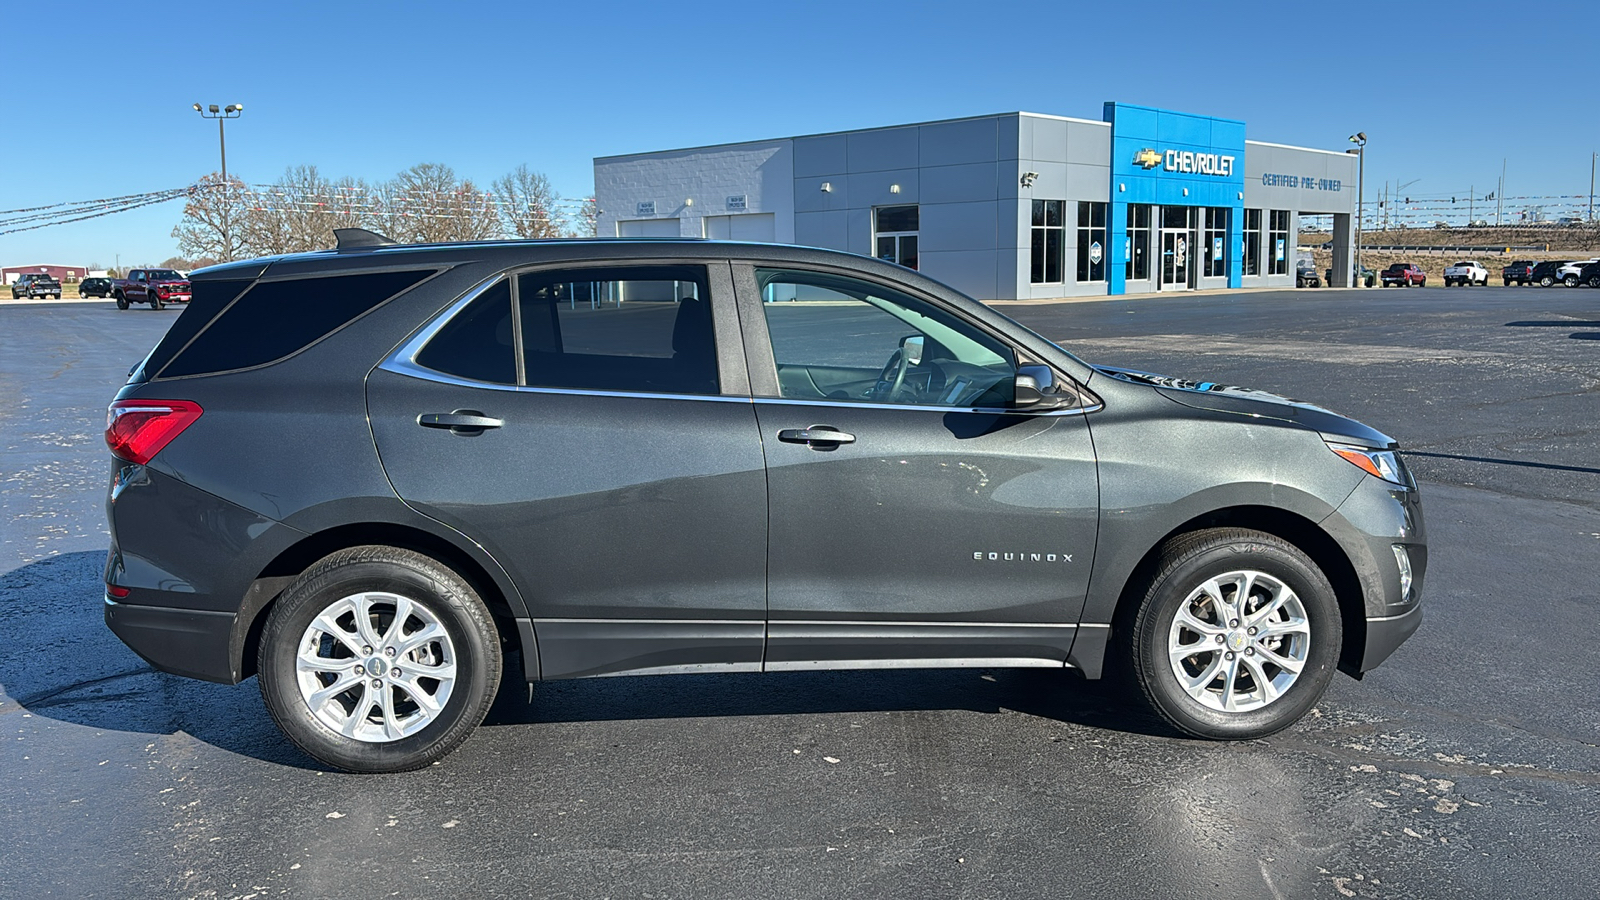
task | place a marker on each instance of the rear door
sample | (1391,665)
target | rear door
(588,427)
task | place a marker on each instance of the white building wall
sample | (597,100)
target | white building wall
(760,171)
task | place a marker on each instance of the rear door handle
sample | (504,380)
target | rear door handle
(461,421)
(817,437)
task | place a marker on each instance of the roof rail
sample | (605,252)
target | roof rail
(360,239)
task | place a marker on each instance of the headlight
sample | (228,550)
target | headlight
(1383,464)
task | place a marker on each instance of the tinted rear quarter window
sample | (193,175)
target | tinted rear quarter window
(275,319)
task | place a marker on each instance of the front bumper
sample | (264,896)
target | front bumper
(1385,634)
(189,642)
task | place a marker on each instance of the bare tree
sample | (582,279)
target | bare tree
(588,219)
(528,204)
(213,218)
(298,212)
(427,203)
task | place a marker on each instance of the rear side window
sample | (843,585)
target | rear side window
(277,318)
(206,300)
(637,328)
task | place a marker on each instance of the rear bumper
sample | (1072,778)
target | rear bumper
(189,642)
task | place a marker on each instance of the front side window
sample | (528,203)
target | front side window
(1091,242)
(1048,242)
(1278,241)
(895,231)
(840,338)
(645,329)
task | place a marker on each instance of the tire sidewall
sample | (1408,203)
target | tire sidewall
(1173,586)
(477,663)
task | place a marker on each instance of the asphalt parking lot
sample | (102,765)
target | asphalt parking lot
(1466,766)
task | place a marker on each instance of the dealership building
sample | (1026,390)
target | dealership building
(1013,206)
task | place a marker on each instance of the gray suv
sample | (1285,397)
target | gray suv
(369,476)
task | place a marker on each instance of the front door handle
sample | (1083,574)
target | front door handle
(462,421)
(817,437)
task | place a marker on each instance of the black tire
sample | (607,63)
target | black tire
(1546,281)
(1594,281)
(155,301)
(122,301)
(1185,564)
(1508,282)
(1570,281)
(438,593)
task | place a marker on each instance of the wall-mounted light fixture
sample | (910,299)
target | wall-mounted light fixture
(1028,178)
(894,188)
(1122,188)
(827,187)
(1186,192)
(688,201)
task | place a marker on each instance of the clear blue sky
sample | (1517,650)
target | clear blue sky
(1444,90)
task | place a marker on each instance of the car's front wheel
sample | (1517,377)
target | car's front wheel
(1237,636)
(379,659)
(122,301)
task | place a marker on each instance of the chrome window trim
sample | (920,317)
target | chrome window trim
(403,361)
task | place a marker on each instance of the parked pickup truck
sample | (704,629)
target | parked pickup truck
(1519,272)
(157,287)
(1467,273)
(35,284)
(1404,275)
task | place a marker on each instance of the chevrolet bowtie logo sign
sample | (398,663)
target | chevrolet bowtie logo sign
(1147,158)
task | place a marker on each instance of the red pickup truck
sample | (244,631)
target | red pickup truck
(157,287)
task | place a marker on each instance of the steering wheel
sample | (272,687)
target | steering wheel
(892,380)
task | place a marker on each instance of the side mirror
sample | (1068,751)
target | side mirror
(911,349)
(1035,389)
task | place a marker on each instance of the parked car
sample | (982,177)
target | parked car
(1466,273)
(1589,275)
(1546,273)
(1568,274)
(157,287)
(897,477)
(1520,272)
(1305,275)
(1404,275)
(1365,278)
(35,284)
(94,287)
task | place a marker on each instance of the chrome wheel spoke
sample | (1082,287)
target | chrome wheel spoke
(402,612)
(1279,597)
(392,729)
(363,608)
(1285,628)
(326,624)
(1200,684)
(1195,624)
(424,700)
(317,699)
(1264,685)
(431,632)
(1288,664)
(1230,677)
(310,660)
(353,722)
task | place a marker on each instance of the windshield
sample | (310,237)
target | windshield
(163,275)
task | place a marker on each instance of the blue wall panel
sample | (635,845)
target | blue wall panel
(1135,129)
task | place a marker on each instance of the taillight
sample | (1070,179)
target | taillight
(136,430)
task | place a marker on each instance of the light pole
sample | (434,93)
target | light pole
(231,111)
(1360,140)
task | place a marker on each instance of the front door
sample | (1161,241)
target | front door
(916,519)
(1177,248)
(585,428)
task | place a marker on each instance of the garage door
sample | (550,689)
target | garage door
(749,227)
(648,228)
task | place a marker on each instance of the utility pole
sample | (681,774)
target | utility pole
(1500,193)
(231,111)
(1470,190)
(1591,186)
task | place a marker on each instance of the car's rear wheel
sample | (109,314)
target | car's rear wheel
(1570,281)
(1546,281)
(379,659)
(1237,635)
